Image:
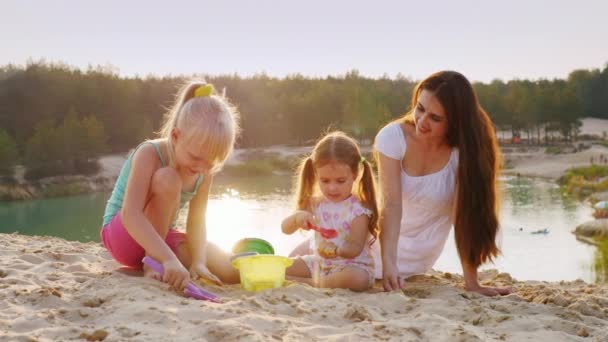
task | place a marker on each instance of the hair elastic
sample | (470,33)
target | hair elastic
(203,91)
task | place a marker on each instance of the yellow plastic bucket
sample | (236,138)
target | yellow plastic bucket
(261,272)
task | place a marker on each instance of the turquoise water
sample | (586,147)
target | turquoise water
(255,207)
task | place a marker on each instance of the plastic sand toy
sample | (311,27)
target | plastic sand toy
(191,290)
(262,272)
(327,233)
(248,245)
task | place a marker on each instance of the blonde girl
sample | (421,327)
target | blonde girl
(158,179)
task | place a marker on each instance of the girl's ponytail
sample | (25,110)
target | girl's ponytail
(183,95)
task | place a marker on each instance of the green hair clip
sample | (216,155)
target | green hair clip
(203,91)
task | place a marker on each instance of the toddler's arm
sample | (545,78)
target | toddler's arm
(359,235)
(297,220)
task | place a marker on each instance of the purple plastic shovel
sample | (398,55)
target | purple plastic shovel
(191,290)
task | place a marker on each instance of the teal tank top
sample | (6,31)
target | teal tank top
(118,194)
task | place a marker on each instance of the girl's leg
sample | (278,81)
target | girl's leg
(298,269)
(353,278)
(299,272)
(218,262)
(302,249)
(162,204)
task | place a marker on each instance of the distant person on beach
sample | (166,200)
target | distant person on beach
(437,168)
(345,202)
(157,180)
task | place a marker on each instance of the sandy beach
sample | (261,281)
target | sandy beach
(57,290)
(534,162)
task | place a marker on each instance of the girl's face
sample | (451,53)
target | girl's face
(189,159)
(335,180)
(430,117)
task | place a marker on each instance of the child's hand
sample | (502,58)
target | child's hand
(176,274)
(303,219)
(200,270)
(327,249)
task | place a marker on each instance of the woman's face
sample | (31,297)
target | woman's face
(430,117)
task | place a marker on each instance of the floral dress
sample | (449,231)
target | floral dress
(338,216)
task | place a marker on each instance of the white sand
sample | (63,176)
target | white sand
(56,290)
(537,163)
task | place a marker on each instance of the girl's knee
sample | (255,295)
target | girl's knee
(166,181)
(362,283)
(225,272)
(356,279)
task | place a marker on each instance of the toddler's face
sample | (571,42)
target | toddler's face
(336,181)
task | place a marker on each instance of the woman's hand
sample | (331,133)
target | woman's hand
(327,249)
(200,270)
(390,277)
(489,290)
(175,274)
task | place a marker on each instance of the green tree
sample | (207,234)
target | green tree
(8,154)
(44,151)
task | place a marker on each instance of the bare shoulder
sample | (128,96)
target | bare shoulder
(146,156)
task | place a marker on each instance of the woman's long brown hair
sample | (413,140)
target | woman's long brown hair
(471,130)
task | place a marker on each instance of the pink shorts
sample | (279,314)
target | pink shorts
(125,249)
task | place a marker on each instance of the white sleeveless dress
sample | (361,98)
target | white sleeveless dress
(426,208)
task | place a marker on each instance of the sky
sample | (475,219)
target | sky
(484,40)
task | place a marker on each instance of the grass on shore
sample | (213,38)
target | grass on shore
(601,261)
(584,181)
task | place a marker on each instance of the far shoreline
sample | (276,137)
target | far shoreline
(520,160)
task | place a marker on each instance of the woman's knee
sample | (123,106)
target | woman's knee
(166,182)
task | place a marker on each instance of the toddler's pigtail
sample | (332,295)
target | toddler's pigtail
(306,181)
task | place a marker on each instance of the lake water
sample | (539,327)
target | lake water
(255,207)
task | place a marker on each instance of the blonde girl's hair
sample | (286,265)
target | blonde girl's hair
(338,147)
(212,119)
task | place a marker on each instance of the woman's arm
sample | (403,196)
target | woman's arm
(143,166)
(389,178)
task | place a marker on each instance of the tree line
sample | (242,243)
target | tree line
(56,119)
